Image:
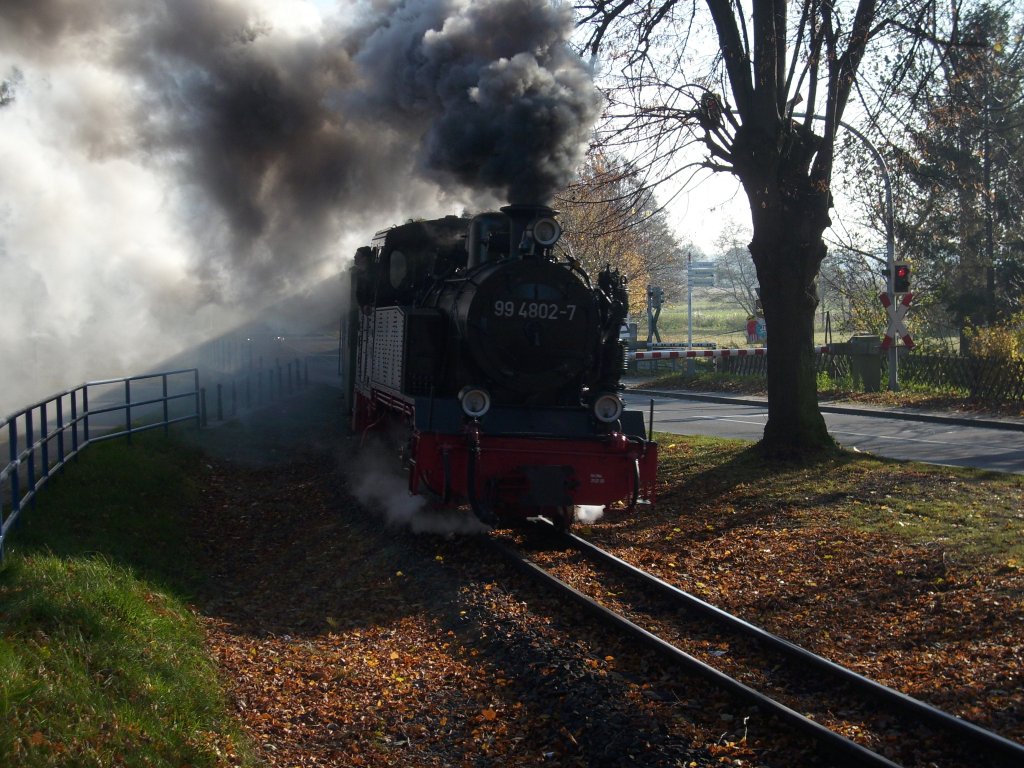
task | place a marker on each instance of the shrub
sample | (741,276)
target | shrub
(1004,341)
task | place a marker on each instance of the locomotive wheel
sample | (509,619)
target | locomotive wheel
(564,518)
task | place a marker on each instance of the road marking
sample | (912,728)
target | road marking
(894,438)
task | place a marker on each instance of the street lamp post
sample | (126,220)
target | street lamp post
(890,239)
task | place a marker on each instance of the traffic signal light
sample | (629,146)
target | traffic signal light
(656,295)
(901,277)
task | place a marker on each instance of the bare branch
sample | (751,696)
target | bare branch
(737,59)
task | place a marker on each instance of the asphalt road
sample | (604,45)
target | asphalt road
(939,440)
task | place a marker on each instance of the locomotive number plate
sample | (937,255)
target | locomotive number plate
(534,310)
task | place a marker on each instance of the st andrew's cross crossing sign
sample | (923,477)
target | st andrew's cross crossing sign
(896,313)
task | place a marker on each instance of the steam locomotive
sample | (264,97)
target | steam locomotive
(500,365)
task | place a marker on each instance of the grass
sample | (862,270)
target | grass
(101,660)
(126,502)
(706,379)
(718,320)
(974,516)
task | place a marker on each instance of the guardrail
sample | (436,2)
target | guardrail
(42,438)
(245,389)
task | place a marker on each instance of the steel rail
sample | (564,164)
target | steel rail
(843,748)
(979,736)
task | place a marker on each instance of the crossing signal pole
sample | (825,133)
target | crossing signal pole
(655,298)
(890,236)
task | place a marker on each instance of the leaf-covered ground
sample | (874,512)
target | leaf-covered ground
(345,642)
(910,574)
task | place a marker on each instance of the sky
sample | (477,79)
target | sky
(169,168)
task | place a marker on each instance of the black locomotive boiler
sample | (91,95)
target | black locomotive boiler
(500,363)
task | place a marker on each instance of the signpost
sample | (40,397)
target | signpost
(699,274)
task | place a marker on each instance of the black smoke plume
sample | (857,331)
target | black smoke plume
(214,153)
(494,96)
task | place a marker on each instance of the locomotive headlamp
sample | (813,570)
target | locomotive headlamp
(546,232)
(607,408)
(475,401)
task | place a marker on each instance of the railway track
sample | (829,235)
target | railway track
(798,687)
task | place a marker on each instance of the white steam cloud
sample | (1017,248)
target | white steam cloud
(378,482)
(169,167)
(589,513)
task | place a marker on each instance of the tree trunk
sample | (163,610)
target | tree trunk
(795,427)
(789,217)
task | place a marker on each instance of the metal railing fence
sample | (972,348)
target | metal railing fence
(246,389)
(42,438)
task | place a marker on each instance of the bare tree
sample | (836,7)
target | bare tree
(849,284)
(737,279)
(611,217)
(739,103)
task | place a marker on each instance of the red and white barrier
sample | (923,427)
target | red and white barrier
(668,354)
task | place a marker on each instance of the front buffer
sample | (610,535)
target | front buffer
(519,463)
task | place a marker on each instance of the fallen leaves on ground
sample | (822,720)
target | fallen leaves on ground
(345,642)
